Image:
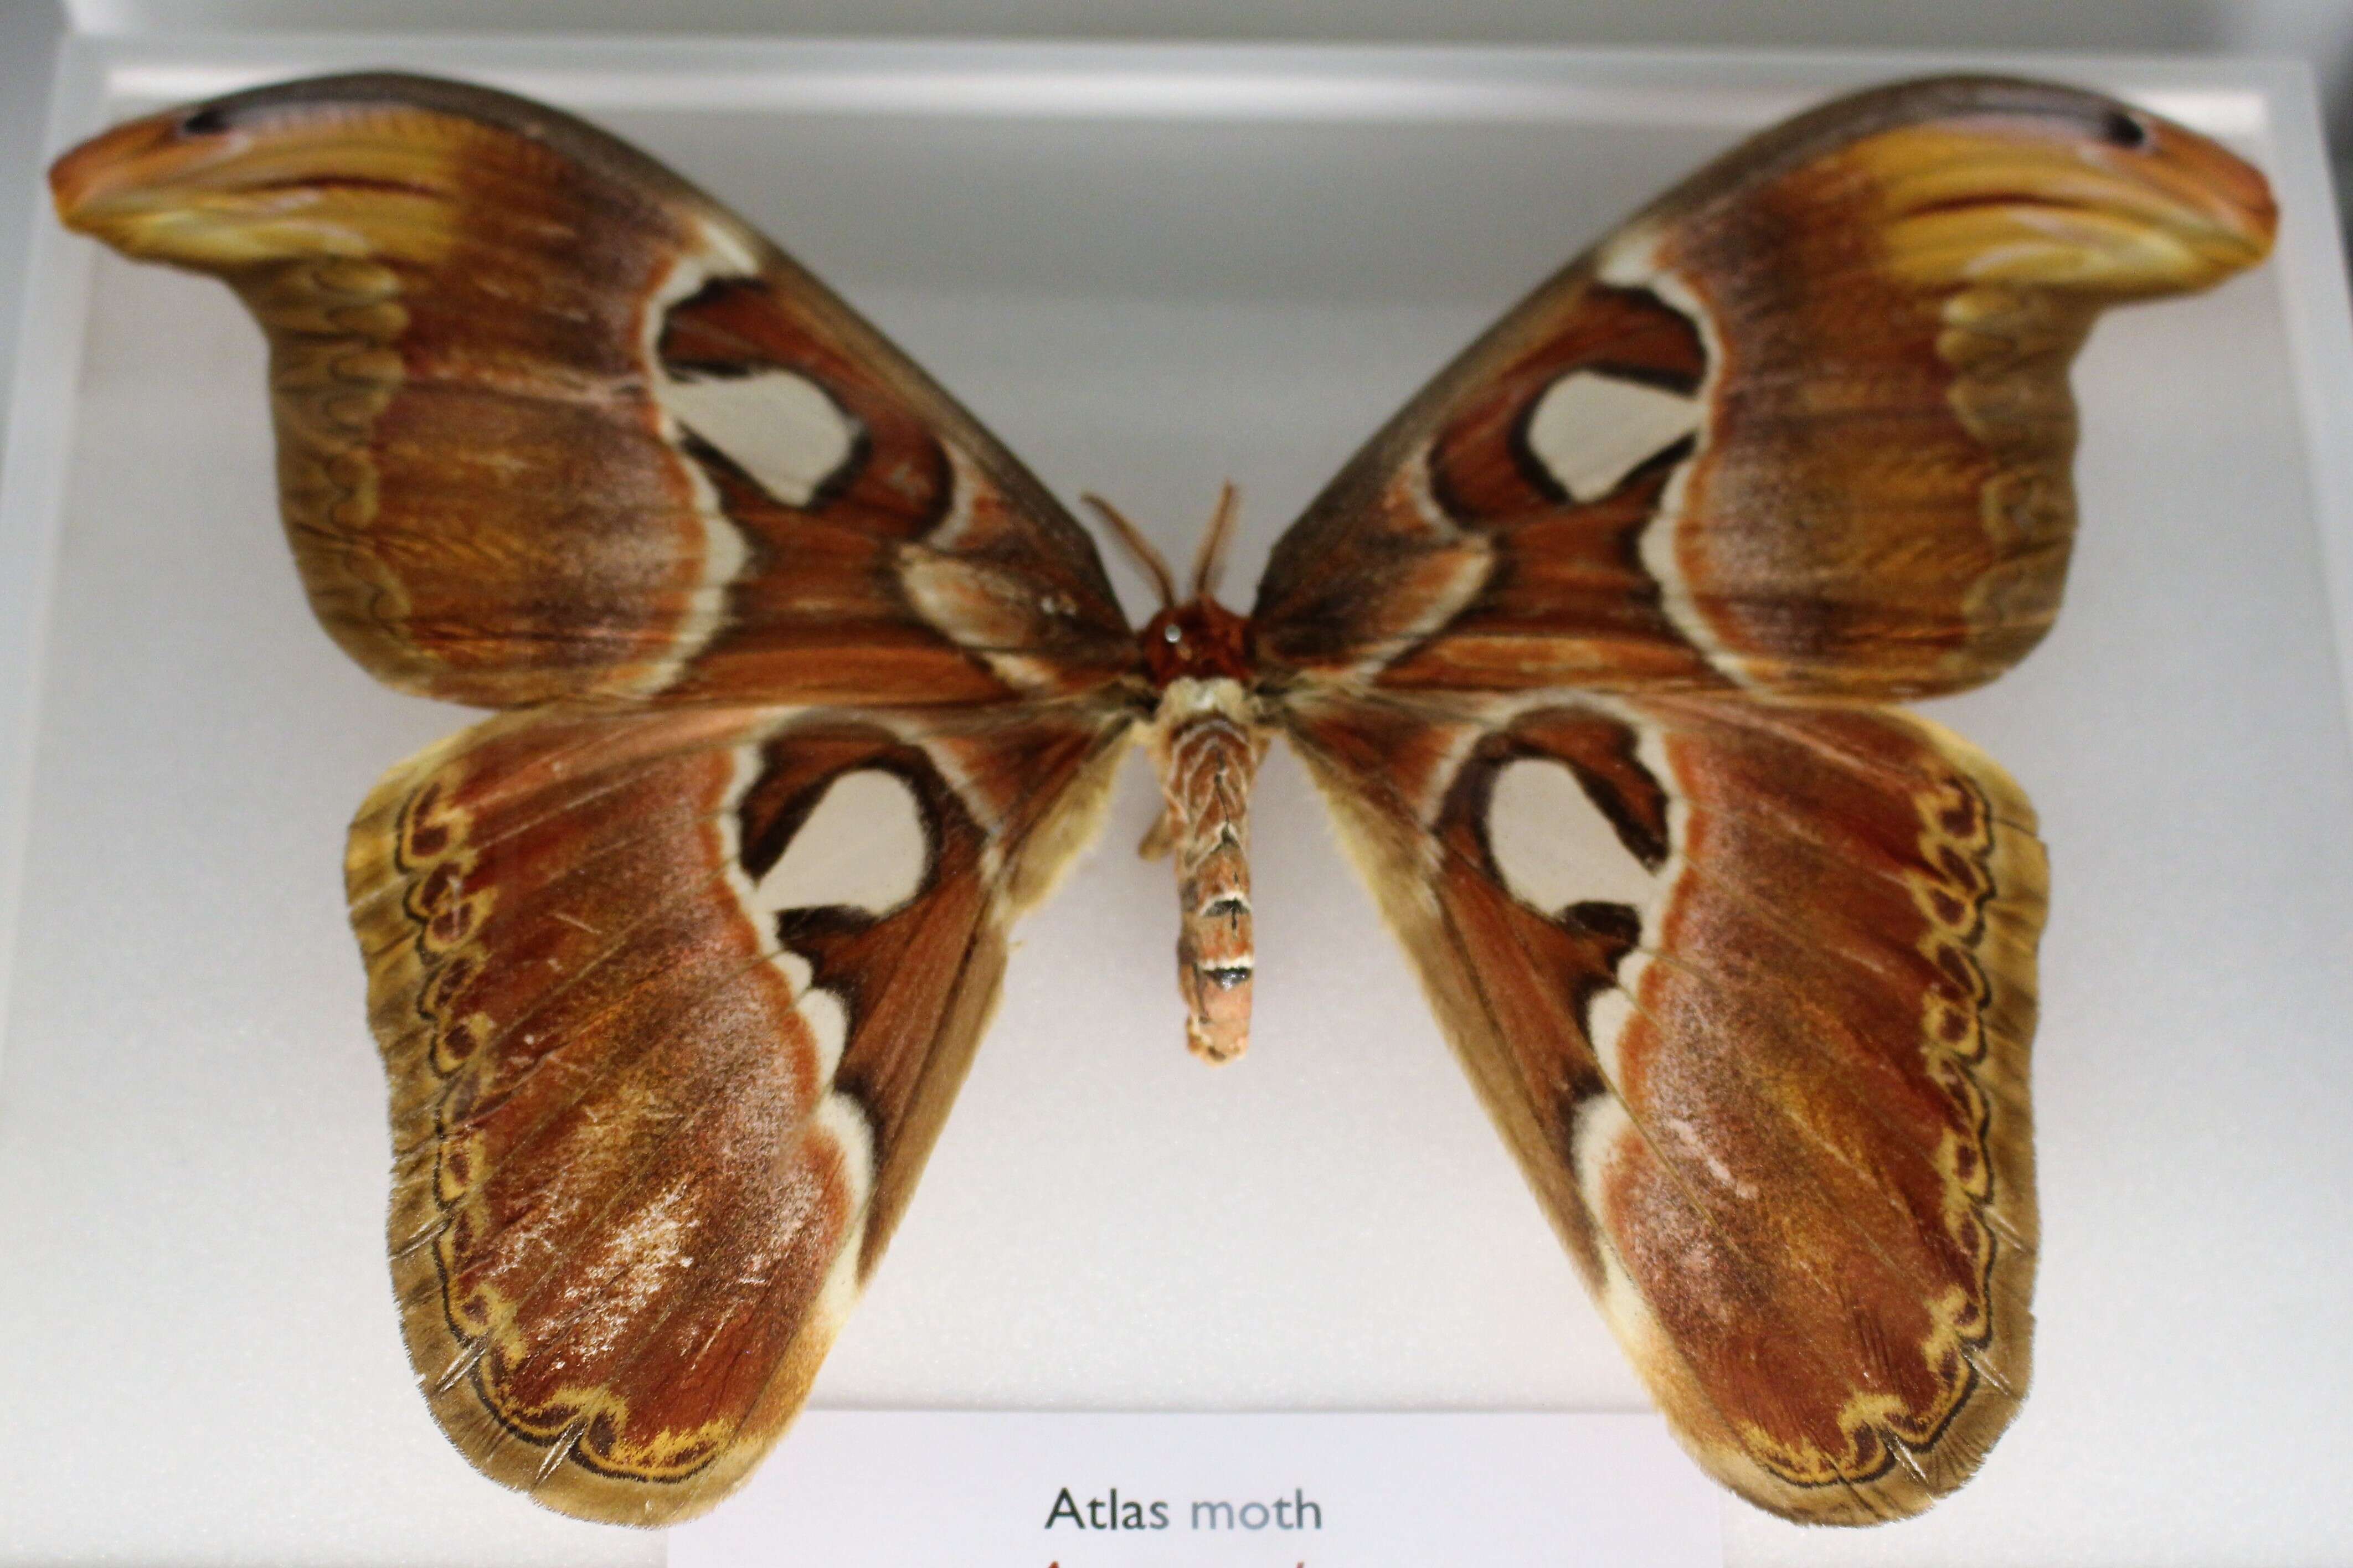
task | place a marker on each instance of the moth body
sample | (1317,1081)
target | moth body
(1206,741)
(1206,735)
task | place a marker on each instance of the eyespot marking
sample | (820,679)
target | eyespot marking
(865,846)
(1589,430)
(1554,846)
(778,425)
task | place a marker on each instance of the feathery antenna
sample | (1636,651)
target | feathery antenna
(1211,566)
(1138,546)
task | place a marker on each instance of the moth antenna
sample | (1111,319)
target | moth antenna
(1211,566)
(1128,534)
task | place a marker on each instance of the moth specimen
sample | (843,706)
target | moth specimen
(807,688)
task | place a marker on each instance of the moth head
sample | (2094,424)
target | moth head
(2061,190)
(247,181)
(1198,639)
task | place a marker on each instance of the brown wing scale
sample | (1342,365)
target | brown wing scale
(1802,426)
(1749,990)
(1747,981)
(554,425)
(671,1008)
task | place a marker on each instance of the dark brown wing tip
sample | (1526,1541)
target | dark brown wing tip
(568,134)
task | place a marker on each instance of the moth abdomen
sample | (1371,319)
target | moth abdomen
(1206,743)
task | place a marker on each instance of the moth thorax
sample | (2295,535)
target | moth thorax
(1206,743)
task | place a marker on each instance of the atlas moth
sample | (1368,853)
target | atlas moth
(806,687)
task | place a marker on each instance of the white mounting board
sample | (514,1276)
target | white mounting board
(1150,269)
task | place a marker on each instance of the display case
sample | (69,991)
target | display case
(1149,269)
